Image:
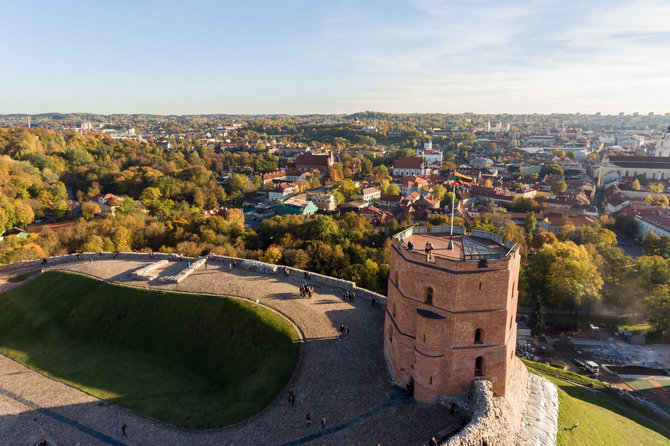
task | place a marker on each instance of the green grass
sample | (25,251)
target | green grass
(604,419)
(549,370)
(189,360)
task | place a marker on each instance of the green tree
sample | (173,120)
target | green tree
(635,185)
(530,222)
(559,187)
(658,306)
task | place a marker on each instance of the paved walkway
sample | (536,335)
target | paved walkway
(345,381)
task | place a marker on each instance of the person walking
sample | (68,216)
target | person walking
(124,426)
(308,419)
(291,397)
(323,423)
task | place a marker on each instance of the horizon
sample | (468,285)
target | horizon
(304,58)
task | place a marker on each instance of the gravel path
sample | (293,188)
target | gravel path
(345,381)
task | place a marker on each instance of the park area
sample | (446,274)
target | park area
(193,361)
(602,417)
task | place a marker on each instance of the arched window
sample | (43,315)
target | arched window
(395,277)
(478,336)
(424,337)
(431,380)
(480,284)
(393,309)
(429,296)
(479,366)
(390,334)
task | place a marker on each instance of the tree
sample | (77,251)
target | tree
(271,255)
(658,306)
(488,183)
(90,209)
(657,200)
(656,188)
(393,189)
(565,273)
(635,185)
(559,187)
(347,188)
(439,192)
(150,197)
(530,222)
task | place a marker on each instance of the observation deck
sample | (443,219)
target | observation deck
(475,246)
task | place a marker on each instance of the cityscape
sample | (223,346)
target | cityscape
(327,224)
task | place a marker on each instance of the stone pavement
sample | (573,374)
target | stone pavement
(345,381)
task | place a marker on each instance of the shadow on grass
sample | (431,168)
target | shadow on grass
(615,404)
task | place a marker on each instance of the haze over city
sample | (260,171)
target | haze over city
(335,57)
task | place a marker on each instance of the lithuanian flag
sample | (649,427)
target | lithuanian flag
(462,180)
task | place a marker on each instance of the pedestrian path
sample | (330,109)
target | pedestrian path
(346,382)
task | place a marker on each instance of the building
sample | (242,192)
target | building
(409,166)
(657,224)
(663,147)
(298,205)
(308,162)
(652,167)
(324,202)
(428,154)
(451,316)
(282,191)
(370,194)
(106,202)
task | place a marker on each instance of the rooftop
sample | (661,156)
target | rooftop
(478,245)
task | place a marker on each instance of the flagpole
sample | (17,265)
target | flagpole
(451,231)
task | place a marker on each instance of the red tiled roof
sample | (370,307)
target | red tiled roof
(408,162)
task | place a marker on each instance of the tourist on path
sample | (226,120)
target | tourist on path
(124,426)
(291,397)
(308,419)
(323,422)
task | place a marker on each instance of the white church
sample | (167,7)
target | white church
(428,154)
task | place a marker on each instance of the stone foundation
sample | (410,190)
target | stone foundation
(496,420)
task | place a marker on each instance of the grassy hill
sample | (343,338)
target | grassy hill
(189,360)
(604,418)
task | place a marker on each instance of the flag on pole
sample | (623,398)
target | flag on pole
(462,180)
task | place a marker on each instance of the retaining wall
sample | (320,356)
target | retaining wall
(246,264)
(496,420)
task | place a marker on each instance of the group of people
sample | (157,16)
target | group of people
(306,291)
(308,417)
(349,296)
(343,332)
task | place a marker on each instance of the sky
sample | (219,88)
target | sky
(334,56)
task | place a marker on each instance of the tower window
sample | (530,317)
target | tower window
(478,336)
(396,277)
(390,334)
(431,380)
(480,284)
(479,366)
(424,337)
(429,296)
(393,309)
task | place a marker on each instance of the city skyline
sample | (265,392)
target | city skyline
(300,58)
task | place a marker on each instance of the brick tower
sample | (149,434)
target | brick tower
(450,316)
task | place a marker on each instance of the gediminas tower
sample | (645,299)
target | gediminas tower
(450,316)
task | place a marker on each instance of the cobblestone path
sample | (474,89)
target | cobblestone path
(345,381)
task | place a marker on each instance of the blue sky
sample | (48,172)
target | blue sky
(335,56)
